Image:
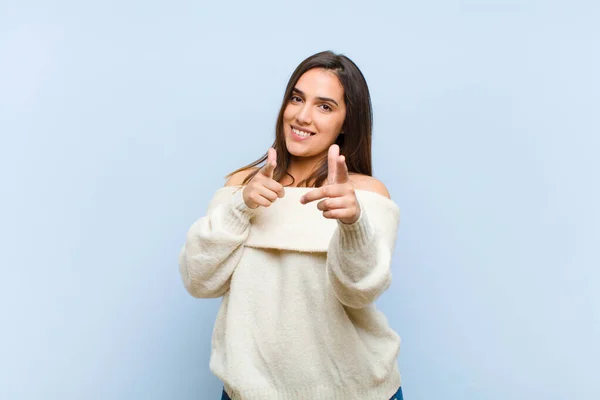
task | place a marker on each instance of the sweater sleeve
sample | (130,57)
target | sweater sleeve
(359,256)
(214,245)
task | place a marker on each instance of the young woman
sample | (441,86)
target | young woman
(300,249)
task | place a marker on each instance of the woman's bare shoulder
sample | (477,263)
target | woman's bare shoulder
(237,179)
(366,182)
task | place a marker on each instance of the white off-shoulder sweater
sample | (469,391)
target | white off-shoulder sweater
(297,320)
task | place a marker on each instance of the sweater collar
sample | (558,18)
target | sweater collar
(290,225)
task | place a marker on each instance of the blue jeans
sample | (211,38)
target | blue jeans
(397,396)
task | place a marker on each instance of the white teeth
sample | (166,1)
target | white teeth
(300,133)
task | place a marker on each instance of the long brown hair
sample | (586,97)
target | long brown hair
(355,143)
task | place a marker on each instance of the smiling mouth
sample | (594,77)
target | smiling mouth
(302,133)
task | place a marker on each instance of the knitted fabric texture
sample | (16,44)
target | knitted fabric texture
(297,320)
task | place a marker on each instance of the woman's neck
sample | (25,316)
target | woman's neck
(301,168)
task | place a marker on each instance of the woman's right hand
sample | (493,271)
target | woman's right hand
(263,190)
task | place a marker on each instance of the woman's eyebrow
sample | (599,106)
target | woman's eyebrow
(300,92)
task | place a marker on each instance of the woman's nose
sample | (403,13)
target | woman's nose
(303,115)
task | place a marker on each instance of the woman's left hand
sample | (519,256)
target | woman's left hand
(339,199)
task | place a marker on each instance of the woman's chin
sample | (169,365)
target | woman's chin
(295,151)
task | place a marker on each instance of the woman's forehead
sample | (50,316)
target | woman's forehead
(319,82)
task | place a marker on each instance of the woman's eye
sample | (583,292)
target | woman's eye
(326,107)
(296,99)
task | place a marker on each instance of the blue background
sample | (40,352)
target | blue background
(118,121)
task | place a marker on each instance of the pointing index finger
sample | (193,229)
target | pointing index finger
(269,167)
(341,170)
(334,152)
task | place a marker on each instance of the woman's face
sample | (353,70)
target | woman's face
(314,114)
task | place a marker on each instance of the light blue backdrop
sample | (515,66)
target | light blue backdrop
(119,120)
